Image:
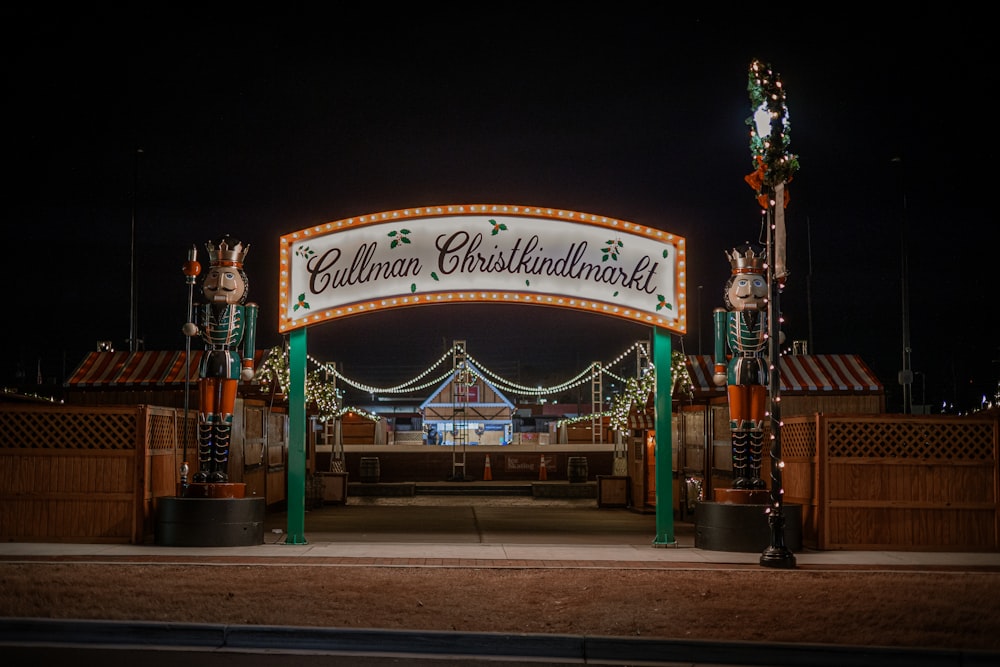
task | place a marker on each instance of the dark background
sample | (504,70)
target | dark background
(262,128)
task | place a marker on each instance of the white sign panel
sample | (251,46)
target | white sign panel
(486,253)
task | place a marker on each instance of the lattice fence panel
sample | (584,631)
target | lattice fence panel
(940,439)
(162,431)
(67,429)
(798,439)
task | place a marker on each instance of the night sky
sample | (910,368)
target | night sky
(263,129)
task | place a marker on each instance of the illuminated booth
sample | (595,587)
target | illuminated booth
(467,408)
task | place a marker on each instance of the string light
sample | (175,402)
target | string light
(328,400)
(41,399)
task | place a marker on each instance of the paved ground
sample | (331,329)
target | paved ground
(447,531)
(501,531)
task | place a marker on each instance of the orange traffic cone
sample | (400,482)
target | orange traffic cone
(487,470)
(543,473)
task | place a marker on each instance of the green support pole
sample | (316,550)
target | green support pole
(664,439)
(297,438)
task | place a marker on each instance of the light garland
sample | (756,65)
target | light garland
(361,412)
(637,392)
(407,387)
(583,376)
(323,393)
(34,396)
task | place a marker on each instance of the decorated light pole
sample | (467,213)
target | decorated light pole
(774,168)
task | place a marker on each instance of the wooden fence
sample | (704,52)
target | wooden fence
(92,474)
(894,482)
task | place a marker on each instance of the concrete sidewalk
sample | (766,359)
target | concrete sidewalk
(475,531)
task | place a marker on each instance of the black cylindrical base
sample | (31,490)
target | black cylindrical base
(743,527)
(209,522)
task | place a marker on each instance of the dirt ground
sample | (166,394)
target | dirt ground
(937,609)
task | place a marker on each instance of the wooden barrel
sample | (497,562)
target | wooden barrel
(369,469)
(576,468)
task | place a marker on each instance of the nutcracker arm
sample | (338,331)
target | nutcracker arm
(200,313)
(720,317)
(249,341)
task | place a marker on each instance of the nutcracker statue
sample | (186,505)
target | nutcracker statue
(227,325)
(741,361)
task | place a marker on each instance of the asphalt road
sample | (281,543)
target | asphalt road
(107,644)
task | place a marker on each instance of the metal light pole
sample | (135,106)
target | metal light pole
(777,553)
(133,341)
(774,169)
(906,374)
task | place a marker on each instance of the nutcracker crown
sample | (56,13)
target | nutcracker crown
(227,252)
(746,260)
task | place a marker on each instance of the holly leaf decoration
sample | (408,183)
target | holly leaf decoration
(611,250)
(398,237)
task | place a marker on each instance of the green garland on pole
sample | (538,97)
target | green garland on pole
(319,393)
(772,162)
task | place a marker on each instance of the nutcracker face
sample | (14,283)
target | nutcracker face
(224,284)
(747,291)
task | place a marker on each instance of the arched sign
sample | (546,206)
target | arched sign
(485,253)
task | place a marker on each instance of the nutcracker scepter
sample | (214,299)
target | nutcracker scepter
(191,270)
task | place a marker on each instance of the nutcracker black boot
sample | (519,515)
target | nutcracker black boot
(204,449)
(756,450)
(220,459)
(740,479)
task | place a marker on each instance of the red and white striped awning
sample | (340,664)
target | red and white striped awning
(642,420)
(136,369)
(800,374)
(827,372)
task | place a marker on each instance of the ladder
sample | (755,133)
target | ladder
(641,358)
(336,448)
(330,427)
(620,465)
(596,402)
(461,379)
